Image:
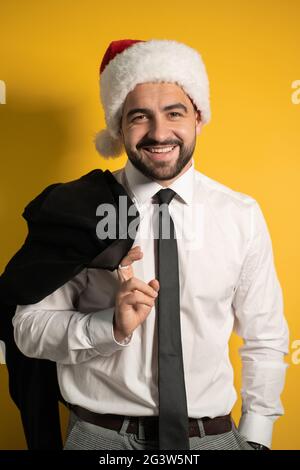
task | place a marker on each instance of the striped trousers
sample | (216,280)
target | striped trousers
(86,436)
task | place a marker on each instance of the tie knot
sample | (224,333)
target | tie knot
(165,195)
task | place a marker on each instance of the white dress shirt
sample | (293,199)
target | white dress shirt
(227,281)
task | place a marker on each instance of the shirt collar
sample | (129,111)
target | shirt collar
(144,188)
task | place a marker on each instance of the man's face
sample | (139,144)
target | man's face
(159,127)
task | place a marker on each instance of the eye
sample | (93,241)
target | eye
(175,114)
(139,117)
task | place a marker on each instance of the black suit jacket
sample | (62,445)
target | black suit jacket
(61,241)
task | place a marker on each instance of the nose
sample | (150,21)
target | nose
(159,129)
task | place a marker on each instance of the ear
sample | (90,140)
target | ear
(120,132)
(199,122)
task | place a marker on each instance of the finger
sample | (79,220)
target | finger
(123,277)
(138,297)
(133,255)
(125,274)
(136,284)
(125,269)
(154,284)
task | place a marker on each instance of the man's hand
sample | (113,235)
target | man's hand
(134,299)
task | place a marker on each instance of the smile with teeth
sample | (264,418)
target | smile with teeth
(160,149)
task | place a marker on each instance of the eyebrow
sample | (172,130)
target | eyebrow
(166,108)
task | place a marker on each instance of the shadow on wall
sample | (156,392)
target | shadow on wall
(33,139)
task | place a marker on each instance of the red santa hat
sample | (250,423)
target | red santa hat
(128,62)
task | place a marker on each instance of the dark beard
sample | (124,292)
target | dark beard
(160,170)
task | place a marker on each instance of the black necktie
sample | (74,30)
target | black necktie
(173,415)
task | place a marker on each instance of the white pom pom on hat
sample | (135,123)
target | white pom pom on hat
(128,62)
(107,145)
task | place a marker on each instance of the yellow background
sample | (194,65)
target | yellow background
(50,53)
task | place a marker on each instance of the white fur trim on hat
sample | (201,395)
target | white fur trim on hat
(151,61)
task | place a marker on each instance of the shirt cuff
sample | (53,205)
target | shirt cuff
(256,428)
(100,332)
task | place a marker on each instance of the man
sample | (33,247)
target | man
(106,330)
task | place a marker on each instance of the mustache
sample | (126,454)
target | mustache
(152,143)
